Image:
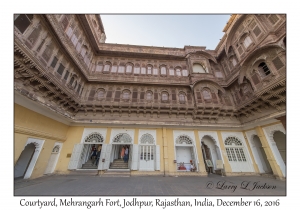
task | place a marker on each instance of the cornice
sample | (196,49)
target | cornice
(38,133)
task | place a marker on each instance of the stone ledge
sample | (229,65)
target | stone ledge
(33,133)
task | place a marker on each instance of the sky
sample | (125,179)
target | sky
(165,30)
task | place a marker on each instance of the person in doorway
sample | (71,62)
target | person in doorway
(122,152)
(126,155)
(92,150)
(94,155)
(98,157)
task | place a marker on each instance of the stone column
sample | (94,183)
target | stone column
(136,136)
(201,165)
(270,156)
(227,167)
(165,150)
(108,133)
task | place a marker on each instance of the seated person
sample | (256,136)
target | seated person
(193,167)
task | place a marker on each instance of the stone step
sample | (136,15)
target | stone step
(89,167)
(119,165)
(88,172)
(116,173)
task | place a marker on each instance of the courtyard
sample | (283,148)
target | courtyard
(87,185)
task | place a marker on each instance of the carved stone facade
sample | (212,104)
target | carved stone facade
(62,64)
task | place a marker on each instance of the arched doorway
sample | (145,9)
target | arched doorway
(81,155)
(276,137)
(113,158)
(238,159)
(210,151)
(24,161)
(147,152)
(259,152)
(185,153)
(53,158)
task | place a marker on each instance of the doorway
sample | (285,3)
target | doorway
(146,155)
(24,161)
(260,152)
(184,157)
(86,155)
(117,157)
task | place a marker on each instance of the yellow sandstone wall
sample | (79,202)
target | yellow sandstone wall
(74,135)
(29,124)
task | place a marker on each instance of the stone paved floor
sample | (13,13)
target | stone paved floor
(72,185)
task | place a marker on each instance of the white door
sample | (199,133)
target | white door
(107,156)
(101,164)
(52,163)
(75,158)
(183,154)
(238,160)
(147,155)
(130,157)
(86,153)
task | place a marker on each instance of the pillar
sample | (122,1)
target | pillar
(270,156)
(201,165)
(165,149)
(227,167)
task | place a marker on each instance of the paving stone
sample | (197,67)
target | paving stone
(149,185)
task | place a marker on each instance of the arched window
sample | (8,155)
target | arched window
(147,139)
(163,70)
(247,41)
(137,69)
(171,72)
(178,72)
(107,67)
(155,71)
(206,95)
(263,69)
(143,70)
(164,96)
(198,68)
(234,150)
(128,69)
(99,67)
(101,94)
(183,139)
(149,70)
(181,97)
(149,96)
(114,68)
(126,95)
(94,138)
(121,69)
